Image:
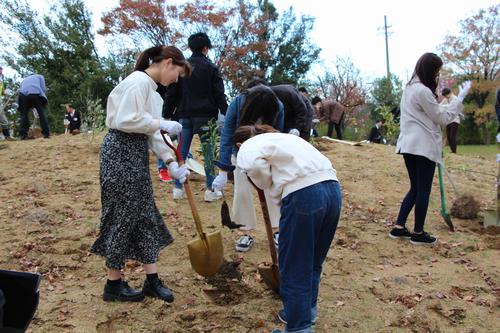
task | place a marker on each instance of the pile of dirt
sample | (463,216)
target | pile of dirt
(465,207)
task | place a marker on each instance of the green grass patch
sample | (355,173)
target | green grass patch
(486,151)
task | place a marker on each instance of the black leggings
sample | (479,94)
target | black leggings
(451,136)
(421,173)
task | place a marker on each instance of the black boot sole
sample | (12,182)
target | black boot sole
(117,298)
(151,293)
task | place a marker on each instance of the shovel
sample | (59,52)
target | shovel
(226,217)
(205,253)
(270,274)
(443,211)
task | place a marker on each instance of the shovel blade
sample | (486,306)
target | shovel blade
(206,257)
(271,276)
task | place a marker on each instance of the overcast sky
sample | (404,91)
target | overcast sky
(354,28)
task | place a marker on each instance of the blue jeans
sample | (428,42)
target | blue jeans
(190,127)
(309,218)
(421,173)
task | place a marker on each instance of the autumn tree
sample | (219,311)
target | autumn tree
(251,39)
(473,55)
(59,46)
(344,84)
(474,50)
(145,22)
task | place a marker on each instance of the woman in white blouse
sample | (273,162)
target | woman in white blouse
(420,142)
(131,225)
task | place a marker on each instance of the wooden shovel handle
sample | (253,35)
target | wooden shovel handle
(187,187)
(267,222)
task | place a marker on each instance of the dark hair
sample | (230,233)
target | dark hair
(158,53)
(261,106)
(199,41)
(315,100)
(255,82)
(70,105)
(243,133)
(379,121)
(303,89)
(427,70)
(445,91)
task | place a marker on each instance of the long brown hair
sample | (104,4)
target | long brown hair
(243,133)
(158,53)
(427,70)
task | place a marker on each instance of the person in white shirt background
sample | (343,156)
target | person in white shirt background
(131,225)
(452,127)
(420,142)
(304,183)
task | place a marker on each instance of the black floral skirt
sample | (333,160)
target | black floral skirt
(131,225)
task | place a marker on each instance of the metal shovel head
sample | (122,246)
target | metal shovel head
(207,255)
(271,275)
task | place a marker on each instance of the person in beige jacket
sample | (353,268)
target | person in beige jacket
(420,142)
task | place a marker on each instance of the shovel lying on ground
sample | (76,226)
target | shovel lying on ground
(205,253)
(270,274)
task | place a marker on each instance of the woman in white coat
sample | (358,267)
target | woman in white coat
(420,142)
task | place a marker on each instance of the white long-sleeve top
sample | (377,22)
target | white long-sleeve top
(134,106)
(421,120)
(283,163)
(447,101)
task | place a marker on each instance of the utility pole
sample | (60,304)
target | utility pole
(387,47)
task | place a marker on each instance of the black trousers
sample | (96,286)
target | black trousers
(331,125)
(451,136)
(421,173)
(26,102)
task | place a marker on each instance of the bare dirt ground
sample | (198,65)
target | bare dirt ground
(50,209)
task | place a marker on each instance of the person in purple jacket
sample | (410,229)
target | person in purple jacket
(33,94)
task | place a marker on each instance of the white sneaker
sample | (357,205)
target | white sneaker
(179,193)
(244,243)
(212,195)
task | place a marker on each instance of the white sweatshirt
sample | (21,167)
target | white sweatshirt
(134,106)
(448,101)
(421,120)
(283,163)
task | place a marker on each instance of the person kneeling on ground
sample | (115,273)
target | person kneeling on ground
(73,119)
(305,184)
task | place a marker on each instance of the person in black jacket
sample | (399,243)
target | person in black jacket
(375,136)
(195,100)
(298,114)
(73,119)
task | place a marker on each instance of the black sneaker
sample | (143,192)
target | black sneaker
(422,239)
(122,293)
(398,233)
(158,290)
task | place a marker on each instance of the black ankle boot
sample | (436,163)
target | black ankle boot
(155,288)
(122,293)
